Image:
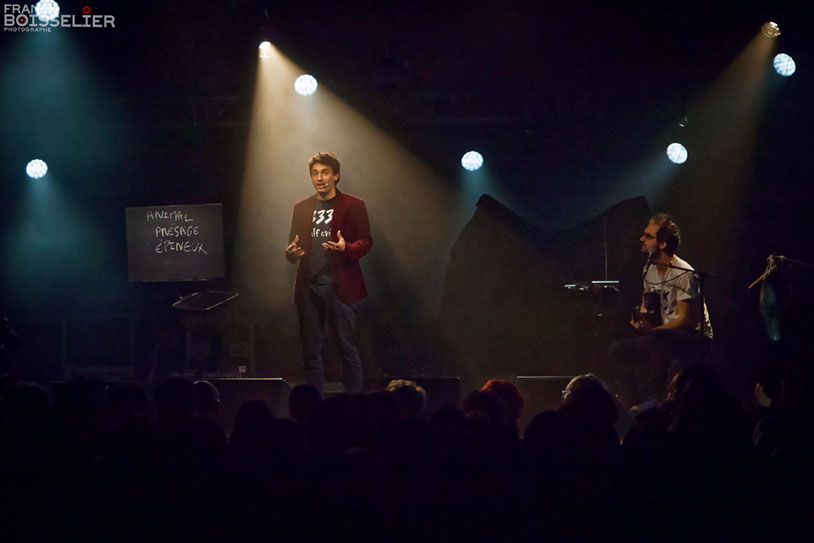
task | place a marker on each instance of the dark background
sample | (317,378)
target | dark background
(570,103)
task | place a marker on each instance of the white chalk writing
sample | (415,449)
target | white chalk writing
(174,216)
(176,231)
(169,246)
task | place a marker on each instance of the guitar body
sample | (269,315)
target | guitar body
(652,306)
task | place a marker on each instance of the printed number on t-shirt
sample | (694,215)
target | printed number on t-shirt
(321,213)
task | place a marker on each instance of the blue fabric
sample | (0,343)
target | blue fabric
(319,306)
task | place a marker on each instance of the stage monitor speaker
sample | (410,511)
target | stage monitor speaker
(100,345)
(235,392)
(541,393)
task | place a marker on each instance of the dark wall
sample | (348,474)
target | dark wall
(570,105)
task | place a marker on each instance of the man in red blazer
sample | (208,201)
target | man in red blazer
(329,233)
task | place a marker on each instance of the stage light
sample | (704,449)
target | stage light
(305,85)
(677,153)
(36,168)
(472,160)
(770,29)
(46,10)
(784,65)
(264,49)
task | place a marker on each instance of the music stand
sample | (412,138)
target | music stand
(604,294)
(205,312)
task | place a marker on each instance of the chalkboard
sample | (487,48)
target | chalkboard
(175,243)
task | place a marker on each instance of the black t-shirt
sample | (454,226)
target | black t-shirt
(321,223)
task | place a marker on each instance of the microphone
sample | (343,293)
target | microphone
(649,261)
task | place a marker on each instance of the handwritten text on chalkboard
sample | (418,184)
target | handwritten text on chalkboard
(170,234)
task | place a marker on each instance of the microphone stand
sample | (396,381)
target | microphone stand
(773,261)
(768,305)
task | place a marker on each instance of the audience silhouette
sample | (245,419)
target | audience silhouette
(119,462)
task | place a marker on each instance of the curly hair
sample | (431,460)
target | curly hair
(328,159)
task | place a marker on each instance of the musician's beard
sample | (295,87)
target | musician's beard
(653,258)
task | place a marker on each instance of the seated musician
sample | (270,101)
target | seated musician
(672,320)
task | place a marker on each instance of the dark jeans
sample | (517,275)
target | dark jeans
(320,304)
(640,367)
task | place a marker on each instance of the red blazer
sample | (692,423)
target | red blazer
(350,216)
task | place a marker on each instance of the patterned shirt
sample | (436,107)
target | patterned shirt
(675,286)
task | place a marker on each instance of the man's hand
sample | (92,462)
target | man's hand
(642,325)
(294,251)
(336,246)
(640,321)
